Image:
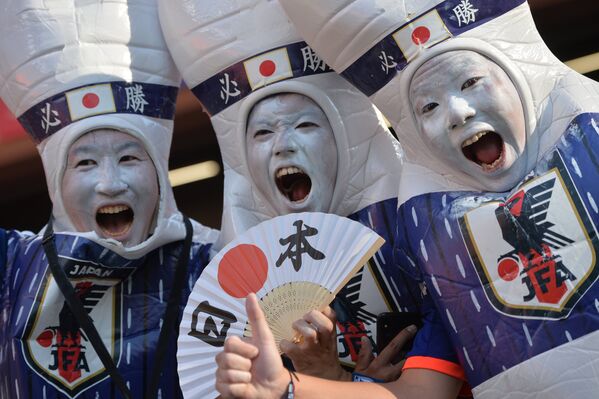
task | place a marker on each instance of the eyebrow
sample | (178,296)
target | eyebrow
(82,149)
(261,121)
(423,89)
(296,116)
(88,148)
(129,145)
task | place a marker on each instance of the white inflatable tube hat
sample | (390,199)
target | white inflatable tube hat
(376,45)
(70,68)
(219,47)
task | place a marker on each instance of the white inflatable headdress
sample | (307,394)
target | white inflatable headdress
(219,47)
(67,68)
(379,44)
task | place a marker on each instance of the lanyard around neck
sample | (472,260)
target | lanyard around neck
(87,325)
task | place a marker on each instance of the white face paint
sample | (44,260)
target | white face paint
(291,153)
(471,116)
(110,186)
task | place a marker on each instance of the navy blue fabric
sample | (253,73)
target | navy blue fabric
(432,339)
(381,217)
(44,354)
(553,298)
(3,249)
(358,304)
(232,84)
(159,103)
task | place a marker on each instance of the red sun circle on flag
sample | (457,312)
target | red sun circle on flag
(242,270)
(420,35)
(267,68)
(508,269)
(90,100)
(45,338)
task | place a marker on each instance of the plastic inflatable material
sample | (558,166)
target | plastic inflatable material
(220,48)
(66,70)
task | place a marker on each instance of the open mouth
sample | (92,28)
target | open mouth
(293,183)
(486,149)
(115,220)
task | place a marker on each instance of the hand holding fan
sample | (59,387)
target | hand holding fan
(294,263)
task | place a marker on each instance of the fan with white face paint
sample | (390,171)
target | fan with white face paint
(294,263)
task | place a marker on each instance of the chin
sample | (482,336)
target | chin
(503,179)
(502,183)
(126,241)
(287,208)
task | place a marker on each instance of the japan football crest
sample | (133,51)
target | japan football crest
(54,343)
(534,253)
(357,306)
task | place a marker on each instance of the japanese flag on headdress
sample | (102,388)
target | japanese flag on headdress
(67,68)
(233,54)
(378,46)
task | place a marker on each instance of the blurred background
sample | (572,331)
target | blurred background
(570,29)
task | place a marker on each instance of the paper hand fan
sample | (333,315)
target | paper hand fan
(294,263)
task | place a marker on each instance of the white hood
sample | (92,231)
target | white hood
(49,51)
(209,40)
(351,35)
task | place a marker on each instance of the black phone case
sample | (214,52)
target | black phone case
(389,324)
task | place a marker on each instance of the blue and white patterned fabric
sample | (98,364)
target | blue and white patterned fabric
(43,352)
(514,275)
(380,286)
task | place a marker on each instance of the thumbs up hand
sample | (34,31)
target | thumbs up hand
(252,369)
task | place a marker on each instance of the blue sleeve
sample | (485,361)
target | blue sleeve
(432,347)
(432,339)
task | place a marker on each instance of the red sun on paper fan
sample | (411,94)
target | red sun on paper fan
(508,269)
(90,100)
(267,68)
(242,270)
(420,35)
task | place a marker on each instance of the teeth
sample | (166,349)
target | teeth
(473,139)
(111,209)
(288,171)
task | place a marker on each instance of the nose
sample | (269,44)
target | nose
(285,143)
(110,181)
(460,111)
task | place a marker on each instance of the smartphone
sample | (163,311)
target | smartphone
(389,324)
